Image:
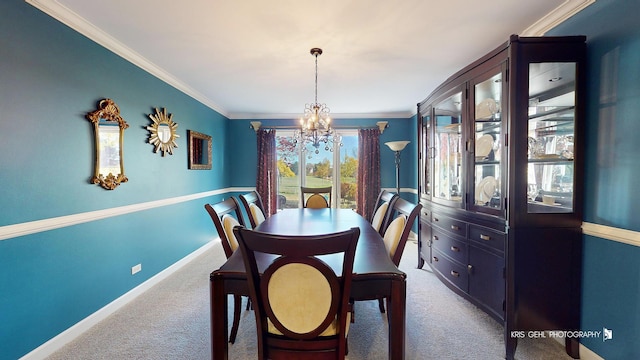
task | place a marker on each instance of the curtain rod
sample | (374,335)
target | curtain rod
(381,125)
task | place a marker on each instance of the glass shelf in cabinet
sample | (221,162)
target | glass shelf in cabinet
(493,119)
(550,159)
(485,161)
(493,127)
(556,113)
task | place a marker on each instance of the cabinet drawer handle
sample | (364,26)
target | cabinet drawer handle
(455,227)
(435,259)
(485,237)
(455,249)
(454,273)
(435,237)
(436,219)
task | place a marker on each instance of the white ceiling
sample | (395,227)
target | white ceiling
(250,58)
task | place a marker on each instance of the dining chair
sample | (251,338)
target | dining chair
(301,305)
(382,214)
(397,233)
(316,200)
(252,203)
(226,215)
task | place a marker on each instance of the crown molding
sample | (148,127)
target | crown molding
(70,18)
(556,17)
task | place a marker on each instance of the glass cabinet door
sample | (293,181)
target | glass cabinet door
(425,161)
(447,151)
(488,98)
(551,130)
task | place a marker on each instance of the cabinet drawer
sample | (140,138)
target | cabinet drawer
(450,270)
(446,223)
(425,214)
(447,244)
(486,236)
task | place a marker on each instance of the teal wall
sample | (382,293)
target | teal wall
(611,270)
(50,78)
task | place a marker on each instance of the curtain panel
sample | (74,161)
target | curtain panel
(368,171)
(266,178)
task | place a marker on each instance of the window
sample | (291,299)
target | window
(296,169)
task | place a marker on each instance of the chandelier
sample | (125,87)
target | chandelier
(315,125)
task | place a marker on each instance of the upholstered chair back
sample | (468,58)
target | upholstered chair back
(229,209)
(301,301)
(253,206)
(316,198)
(317,201)
(228,223)
(382,215)
(393,235)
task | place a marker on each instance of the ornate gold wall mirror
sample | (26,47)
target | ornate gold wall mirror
(199,151)
(109,138)
(163,132)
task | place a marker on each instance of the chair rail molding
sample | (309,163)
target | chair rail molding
(610,233)
(32,227)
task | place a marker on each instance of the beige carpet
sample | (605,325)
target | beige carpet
(171,321)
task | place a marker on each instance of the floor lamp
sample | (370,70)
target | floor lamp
(397,147)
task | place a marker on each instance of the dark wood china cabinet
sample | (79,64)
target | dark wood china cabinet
(500,169)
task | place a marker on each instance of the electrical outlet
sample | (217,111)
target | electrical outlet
(136,269)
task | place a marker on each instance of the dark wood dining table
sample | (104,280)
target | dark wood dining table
(374,274)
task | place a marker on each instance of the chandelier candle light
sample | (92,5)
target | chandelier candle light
(315,124)
(397,147)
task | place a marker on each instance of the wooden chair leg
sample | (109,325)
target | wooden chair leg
(249,305)
(346,346)
(381,304)
(237,304)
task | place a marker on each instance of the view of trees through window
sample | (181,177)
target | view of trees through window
(297,168)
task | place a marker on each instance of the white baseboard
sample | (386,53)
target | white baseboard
(85,324)
(585,352)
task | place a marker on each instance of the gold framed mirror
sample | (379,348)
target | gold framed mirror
(199,151)
(163,132)
(109,129)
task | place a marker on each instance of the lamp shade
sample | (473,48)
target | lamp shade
(397,145)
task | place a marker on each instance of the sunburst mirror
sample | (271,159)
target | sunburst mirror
(163,132)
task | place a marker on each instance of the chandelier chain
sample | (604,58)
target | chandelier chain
(315,124)
(316,99)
